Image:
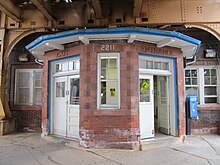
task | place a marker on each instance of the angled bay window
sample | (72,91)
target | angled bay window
(28,86)
(108,80)
(202,82)
(191,82)
(210,86)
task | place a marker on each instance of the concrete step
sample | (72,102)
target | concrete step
(155,143)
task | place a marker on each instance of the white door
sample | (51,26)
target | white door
(59,112)
(146,106)
(163,104)
(73,107)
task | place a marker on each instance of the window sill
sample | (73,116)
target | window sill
(26,107)
(209,107)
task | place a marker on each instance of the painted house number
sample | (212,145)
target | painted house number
(107,47)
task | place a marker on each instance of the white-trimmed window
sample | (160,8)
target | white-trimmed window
(28,86)
(108,80)
(202,82)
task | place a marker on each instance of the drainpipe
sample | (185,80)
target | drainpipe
(191,62)
(38,62)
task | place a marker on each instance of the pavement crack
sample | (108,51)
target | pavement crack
(104,157)
(210,145)
(53,161)
(189,154)
(32,154)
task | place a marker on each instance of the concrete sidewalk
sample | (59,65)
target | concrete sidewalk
(30,149)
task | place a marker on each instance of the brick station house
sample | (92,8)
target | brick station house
(111,88)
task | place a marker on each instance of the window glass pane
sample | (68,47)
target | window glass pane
(112,74)
(213,72)
(60,89)
(206,72)
(74,91)
(157,65)
(187,73)
(142,64)
(23,79)
(104,63)
(165,65)
(38,79)
(71,65)
(188,82)
(103,92)
(76,65)
(207,81)
(23,96)
(65,66)
(149,65)
(37,96)
(111,94)
(213,80)
(144,90)
(194,73)
(210,90)
(113,63)
(58,67)
(194,81)
(103,74)
(192,91)
(210,100)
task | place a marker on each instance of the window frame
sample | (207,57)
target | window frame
(32,87)
(107,106)
(201,83)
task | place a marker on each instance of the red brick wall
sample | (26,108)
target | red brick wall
(115,128)
(208,122)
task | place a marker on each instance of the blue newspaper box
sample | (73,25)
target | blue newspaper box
(192,106)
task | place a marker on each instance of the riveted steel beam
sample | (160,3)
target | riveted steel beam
(11,10)
(43,10)
(137,8)
(97,8)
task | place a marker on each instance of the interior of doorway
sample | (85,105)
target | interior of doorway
(161,106)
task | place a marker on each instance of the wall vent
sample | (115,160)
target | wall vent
(144,19)
(91,21)
(61,22)
(118,20)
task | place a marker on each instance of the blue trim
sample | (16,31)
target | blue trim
(50,87)
(174,87)
(175,95)
(49,96)
(128,30)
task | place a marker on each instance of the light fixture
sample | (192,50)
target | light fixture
(23,58)
(210,53)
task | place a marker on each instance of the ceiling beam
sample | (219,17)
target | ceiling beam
(43,10)
(137,8)
(97,8)
(11,10)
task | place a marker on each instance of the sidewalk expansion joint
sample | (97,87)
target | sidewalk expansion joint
(210,145)
(104,157)
(189,154)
